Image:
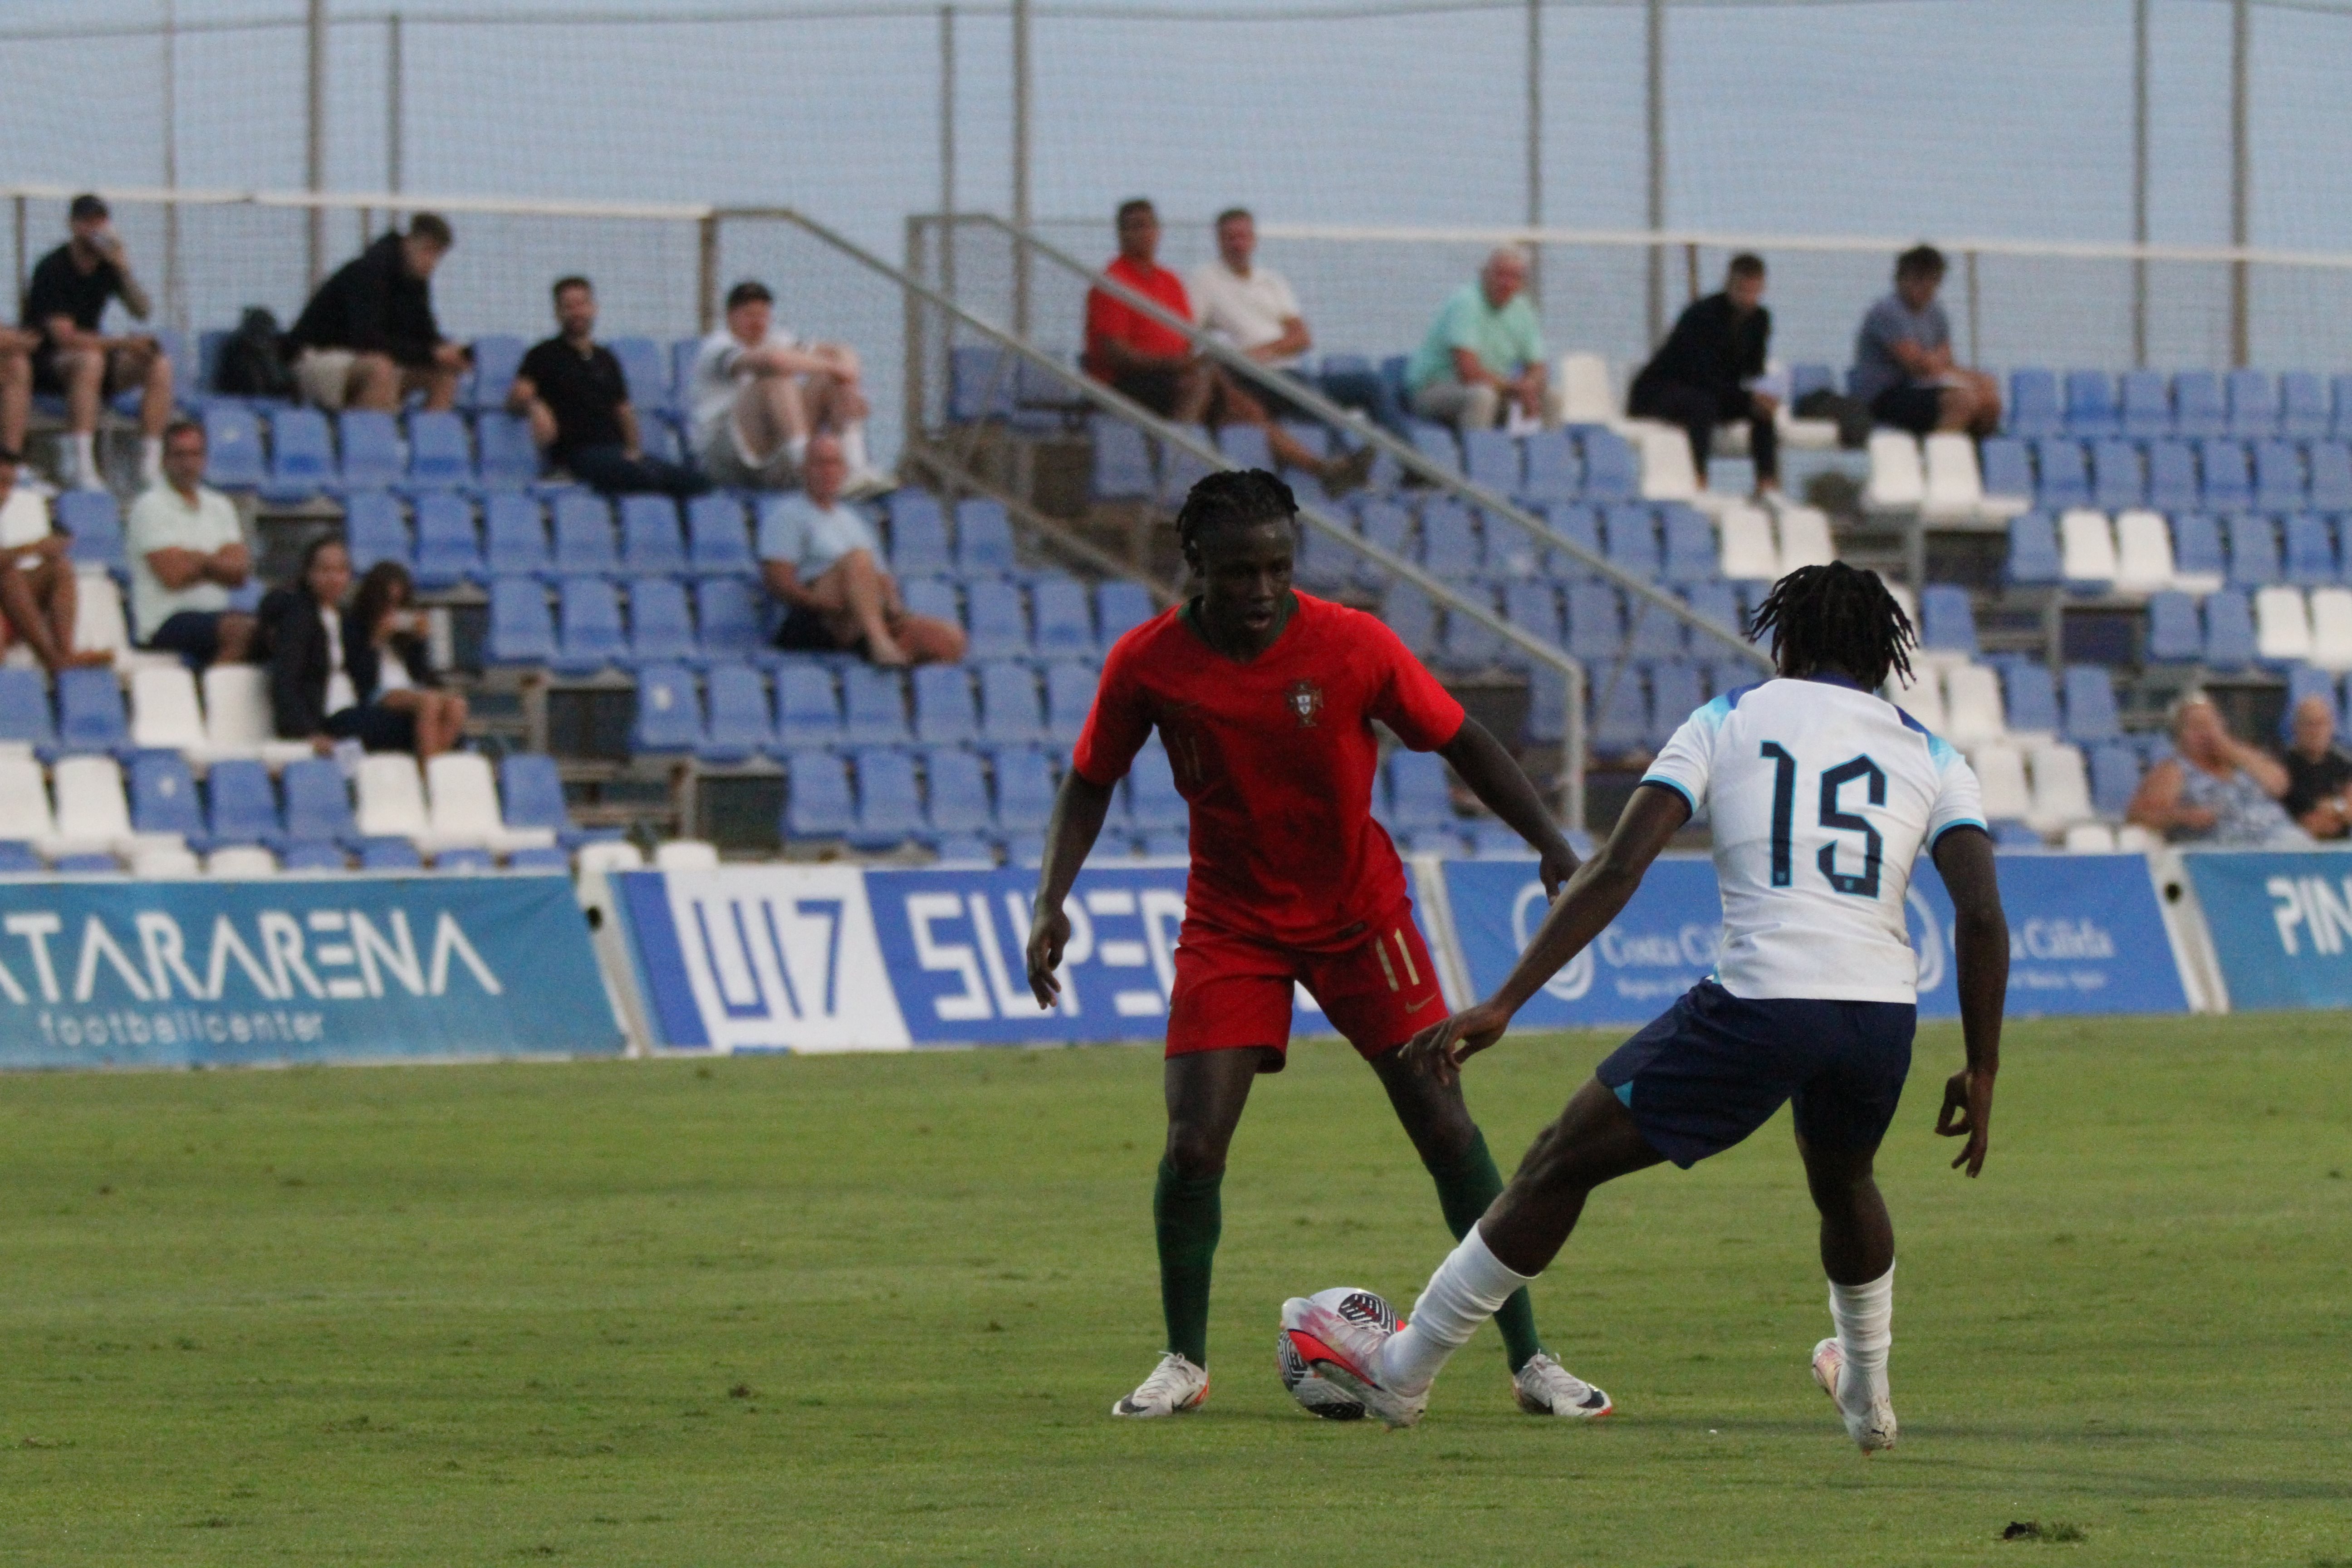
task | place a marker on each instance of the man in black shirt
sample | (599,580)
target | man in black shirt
(575,393)
(368,338)
(1699,377)
(2317,771)
(63,303)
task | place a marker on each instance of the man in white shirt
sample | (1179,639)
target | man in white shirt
(36,574)
(1250,306)
(758,394)
(1820,795)
(187,551)
(820,556)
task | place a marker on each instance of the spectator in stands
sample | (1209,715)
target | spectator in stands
(572,390)
(63,303)
(384,643)
(761,395)
(2318,772)
(1903,365)
(17,346)
(2217,790)
(820,556)
(1703,373)
(368,337)
(187,551)
(320,679)
(1154,363)
(36,575)
(1485,353)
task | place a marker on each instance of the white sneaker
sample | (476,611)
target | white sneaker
(1544,1388)
(1874,1429)
(867,483)
(1174,1386)
(1347,1354)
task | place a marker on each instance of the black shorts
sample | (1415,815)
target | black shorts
(375,727)
(193,635)
(804,631)
(1918,409)
(1155,389)
(1713,1068)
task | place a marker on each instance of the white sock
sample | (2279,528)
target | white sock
(1863,1315)
(85,454)
(1468,1288)
(852,445)
(150,459)
(796,448)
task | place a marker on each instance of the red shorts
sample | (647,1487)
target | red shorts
(1234,990)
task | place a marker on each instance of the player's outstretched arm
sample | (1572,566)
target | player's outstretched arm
(1495,777)
(1079,813)
(1595,894)
(1980,948)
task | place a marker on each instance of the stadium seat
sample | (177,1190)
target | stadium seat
(670,711)
(2228,629)
(515,536)
(2001,787)
(1579,525)
(1747,552)
(1596,622)
(522,626)
(2173,636)
(2147,411)
(874,703)
(659,627)
(237,719)
(2172,476)
(1718,602)
(2034,556)
(234,458)
(90,711)
(933,597)
(1611,471)
(1121,461)
(2143,552)
(94,520)
(2253,552)
(2033,407)
(391,795)
(2197,408)
(728,612)
(1948,624)
(1898,478)
(2254,405)
(1689,541)
(93,814)
(1804,539)
(1534,606)
(1069,696)
(448,549)
(1450,546)
(1493,459)
(1009,707)
(310,857)
(498,359)
(1675,696)
(2282,625)
(1554,469)
(1621,710)
(1245,447)
(390,855)
(2331,476)
(371,448)
(997,619)
(2310,551)
(1064,617)
(956,793)
(650,538)
(2030,701)
(1151,795)
(2279,482)
(2065,473)
(889,807)
(164,712)
(302,454)
(2090,705)
(1651,633)
(1972,705)
(984,537)
(440,456)
(243,805)
(2006,472)
(2091,409)
(2302,406)
(1953,488)
(1419,794)
(647,372)
(718,539)
(589,620)
(163,796)
(1469,643)
(818,802)
(2062,790)
(373,529)
(2199,563)
(1631,532)
(808,706)
(583,534)
(505,456)
(1436,443)
(1120,607)
(317,802)
(550,860)
(530,793)
(739,724)
(2114,777)
(25,721)
(2088,550)
(2117,478)
(919,534)
(100,623)
(1024,789)
(2228,481)
(945,713)
(463,812)
(2331,629)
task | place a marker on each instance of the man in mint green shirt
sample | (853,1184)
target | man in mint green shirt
(1484,351)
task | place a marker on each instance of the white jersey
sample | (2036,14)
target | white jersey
(1821,795)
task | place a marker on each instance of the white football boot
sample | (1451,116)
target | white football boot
(1174,1386)
(1347,1353)
(1873,1428)
(1544,1388)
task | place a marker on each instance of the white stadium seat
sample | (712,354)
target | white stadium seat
(1923,699)
(2132,839)
(1953,491)
(165,715)
(2331,629)
(2090,838)
(2000,779)
(1972,705)
(1804,539)
(152,862)
(1584,394)
(2062,790)
(93,814)
(1748,555)
(99,623)
(2086,547)
(1898,483)
(2143,552)
(237,722)
(241,860)
(687,854)
(392,798)
(465,807)
(1668,471)
(25,801)
(604,855)
(2282,625)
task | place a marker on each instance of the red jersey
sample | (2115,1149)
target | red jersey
(1116,320)
(1276,758)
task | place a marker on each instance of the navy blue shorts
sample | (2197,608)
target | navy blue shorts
(375,727)
(1713,1068)
(193,635)
(1918,409)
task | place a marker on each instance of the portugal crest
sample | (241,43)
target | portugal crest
(1307,701)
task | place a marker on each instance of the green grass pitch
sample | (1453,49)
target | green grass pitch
(874,1311)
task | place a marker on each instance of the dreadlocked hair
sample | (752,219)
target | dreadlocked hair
(1229,496)
(1837,616)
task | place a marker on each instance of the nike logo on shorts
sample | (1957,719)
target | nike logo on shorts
(1417,1006)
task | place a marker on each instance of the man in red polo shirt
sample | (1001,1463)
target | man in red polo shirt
(1265,698)
(1154,363)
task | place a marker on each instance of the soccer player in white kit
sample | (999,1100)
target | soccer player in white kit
(1821,795)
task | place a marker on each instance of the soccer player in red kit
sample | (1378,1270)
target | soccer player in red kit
(1264,698)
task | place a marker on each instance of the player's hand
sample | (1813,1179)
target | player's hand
(1968,1113)
(1049,933)
(1556,866)
(1440,1050)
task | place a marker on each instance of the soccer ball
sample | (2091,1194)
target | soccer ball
(1314,1394)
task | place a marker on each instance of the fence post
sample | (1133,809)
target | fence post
(1535,145)
(1968,265)
(394,90)
(2139,180)
(1657,140)
(175,295)
(2240,171)
(19,205)
(314,151)
(1021,212)
(947,151)
(705,288)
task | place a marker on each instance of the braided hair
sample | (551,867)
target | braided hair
(1837,616)
(1229,496)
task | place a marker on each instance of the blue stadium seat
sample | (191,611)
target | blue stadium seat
(874,704)
(531,788)
(1385,524)
(2253,551)
(1621,710)
(2228,630)
(1632,535)
(583,534)
(980,383)
(984,537)
(2033,557)
(1024,788)
(1120,607)
(244,804)
(25,716)
(2173,635)
(317,802)
(1321,564)
(498,357)
(1419,794)
(808,706)
(301,454)
(1152,800)
(2311,560)
(2279,483)
(2033,403)
(2030,698)
(1690,544)
(1436,443)
(522,626)
(448,546)
(163,796)
(1948,622)
(2146,405)
(1009,710)
(2229,481)
(1610,470)
(650,539)
(1121,461)
(2172,476)
(2007,466)
(1675,696)
(919,534)
(933,597)
(544,858)
(683,352)
(2198,409)
(2331,476)
(646,370)
(440,455)
(945,713)
(505,455)
(2066,475)
(2196,546)
(90,711)
(1069,696)
(1450,546)
(1555,470)
(313,857)
(2305,681)
(1534,606)
(669,709)
(2117,480)
(2091,409)
(997,620)
(1493,459)
(233,450)
(2115,778)
(1651,632)
(1065,618)
(1245,447)
(1596,622)
(2302,406)
(1717,603)
(589,616)
(373,528)
(370,446)
(818,801)
(1547,720)
(2340,393)
(718,539)
(889,807)
(515,536)
(956,792)
(2091,704)
(740,725)
(391,854)
(728,612)
(660,629)
(95,522)
(1412,617)
(1579,525)
(2254,405)
(1470,644)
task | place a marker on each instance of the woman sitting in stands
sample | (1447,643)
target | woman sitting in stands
(358,675)
(2216,790)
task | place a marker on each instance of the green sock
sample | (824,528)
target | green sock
(1188,1214)
(1464,1188)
